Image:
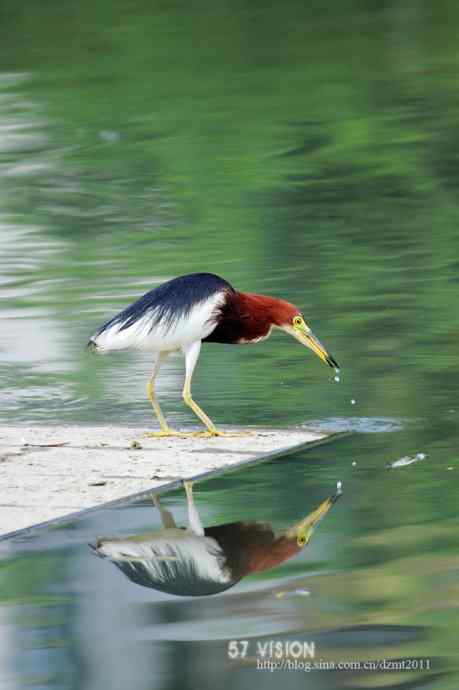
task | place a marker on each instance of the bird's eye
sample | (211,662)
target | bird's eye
(301,541)
(297,321)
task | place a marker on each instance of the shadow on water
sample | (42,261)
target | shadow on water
(200,561)
(371,586)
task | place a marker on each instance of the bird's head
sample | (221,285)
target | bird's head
(292,321)
(300,534)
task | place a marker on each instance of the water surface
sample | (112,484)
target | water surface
(376,582)
(304,151)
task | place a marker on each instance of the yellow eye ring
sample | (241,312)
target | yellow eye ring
(297,321)
(301,541)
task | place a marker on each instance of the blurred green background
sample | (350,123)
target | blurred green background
(304,150)
(307,151)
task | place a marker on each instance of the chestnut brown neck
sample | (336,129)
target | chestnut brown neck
(252,546)
(248,317)
(262,307)
(281,550)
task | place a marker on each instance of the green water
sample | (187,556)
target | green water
(377,582)
(307,151)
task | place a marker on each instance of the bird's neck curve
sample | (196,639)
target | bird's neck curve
(271,310)
(246,317)
(276,553)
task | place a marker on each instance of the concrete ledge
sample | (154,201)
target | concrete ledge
(50,472)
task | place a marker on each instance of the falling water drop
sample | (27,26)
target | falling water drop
(337,377)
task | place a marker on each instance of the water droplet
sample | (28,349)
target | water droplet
(352,401)
(354,463)
(420,456)
(337,379)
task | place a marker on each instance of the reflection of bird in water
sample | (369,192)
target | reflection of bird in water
(196,308)
(197,561)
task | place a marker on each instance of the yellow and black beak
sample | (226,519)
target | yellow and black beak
(306,337)
(303,530)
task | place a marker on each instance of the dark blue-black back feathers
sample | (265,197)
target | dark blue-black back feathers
(170,301)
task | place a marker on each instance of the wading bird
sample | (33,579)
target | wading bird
(198,561)
(199,308)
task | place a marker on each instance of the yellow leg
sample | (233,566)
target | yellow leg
(166,516)
(194,521)
(165,428)
(191,353)
(211,428)
(188,486)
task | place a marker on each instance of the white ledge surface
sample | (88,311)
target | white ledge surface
(40,481)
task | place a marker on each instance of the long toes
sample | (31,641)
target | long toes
(161,434)
(172,433)
(203,434)
(229,434)
(196,434)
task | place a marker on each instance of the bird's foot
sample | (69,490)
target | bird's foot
(212,433)
(168,433)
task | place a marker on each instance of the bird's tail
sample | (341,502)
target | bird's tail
(92,346)
(95,548)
